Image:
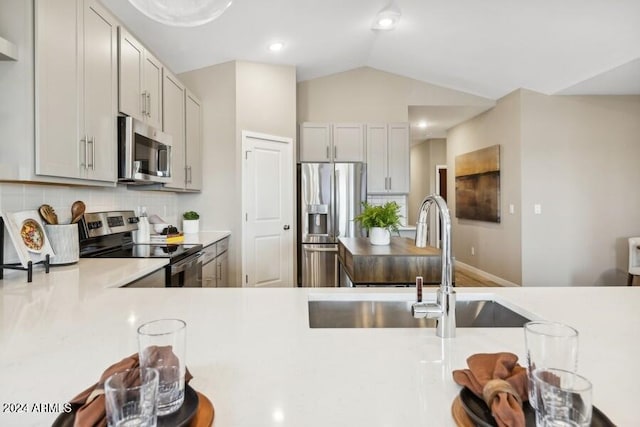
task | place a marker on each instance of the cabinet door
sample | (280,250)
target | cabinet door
(222,265)
(100,91)
(348,142)
(130,65)
(58,148)
(377,158)
(174,125)
(193,142)
(152,89)
(398,152)
(315,142)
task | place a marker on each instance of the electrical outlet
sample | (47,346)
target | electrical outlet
(512,209)
(537,209)
(473,251)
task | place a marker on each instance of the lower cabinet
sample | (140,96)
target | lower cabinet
(215,270)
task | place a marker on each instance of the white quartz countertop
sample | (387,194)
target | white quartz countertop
(251,351)
(206,238)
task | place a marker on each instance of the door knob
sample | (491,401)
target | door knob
(286,227)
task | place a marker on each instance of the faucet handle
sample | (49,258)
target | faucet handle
(419,288)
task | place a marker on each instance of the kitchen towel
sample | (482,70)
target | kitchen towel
(500,381)
(91,402)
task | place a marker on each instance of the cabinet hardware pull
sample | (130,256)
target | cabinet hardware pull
(219,275)
(144,103)
(389,183)
(286,227)
(84,142)
(149,104)
(335,152)
(190,176)
(327,151)
(92,141)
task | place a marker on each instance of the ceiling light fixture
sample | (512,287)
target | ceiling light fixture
(182,13)
(387,18)
(422,125)
(276,46)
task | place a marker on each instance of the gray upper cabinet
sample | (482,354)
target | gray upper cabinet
(193,141)
(388,158)
(76,90)
(325,142)
(174,124)
(315,142)
(182,120)
(140,89)
(348,142)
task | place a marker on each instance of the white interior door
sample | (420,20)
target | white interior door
(267,185)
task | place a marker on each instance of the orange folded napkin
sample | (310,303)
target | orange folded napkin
(92,412)
(500,381)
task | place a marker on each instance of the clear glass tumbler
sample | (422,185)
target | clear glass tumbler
(162,345)
(131,398)
(564,398)
(549,345)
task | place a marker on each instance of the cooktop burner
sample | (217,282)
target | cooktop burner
(175,252)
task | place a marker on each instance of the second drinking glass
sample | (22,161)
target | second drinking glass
(162,345)
(549,345)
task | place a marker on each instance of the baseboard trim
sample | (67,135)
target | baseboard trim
(499,280)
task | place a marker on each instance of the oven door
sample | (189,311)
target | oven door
(186,273)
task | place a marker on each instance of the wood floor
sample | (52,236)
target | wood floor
(468,279)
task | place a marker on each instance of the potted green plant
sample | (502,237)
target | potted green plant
(380,221)
(190,222)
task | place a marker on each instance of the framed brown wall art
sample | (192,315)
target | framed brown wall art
(478,185)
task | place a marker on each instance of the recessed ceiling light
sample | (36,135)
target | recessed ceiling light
(422,124)
(276,46)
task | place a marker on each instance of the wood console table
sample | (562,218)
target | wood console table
(397,263)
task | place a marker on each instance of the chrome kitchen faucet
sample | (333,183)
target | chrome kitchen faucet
(444,309)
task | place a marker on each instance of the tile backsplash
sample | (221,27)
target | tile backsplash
(19,197)
(400,199)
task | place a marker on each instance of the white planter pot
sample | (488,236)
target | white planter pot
(190,226)
(379,236)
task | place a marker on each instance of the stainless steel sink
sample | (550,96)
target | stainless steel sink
(397,314)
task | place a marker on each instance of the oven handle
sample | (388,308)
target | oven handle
(185,264)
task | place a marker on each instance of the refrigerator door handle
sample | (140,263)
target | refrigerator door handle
(334,249)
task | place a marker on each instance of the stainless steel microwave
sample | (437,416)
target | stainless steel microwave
(144,153)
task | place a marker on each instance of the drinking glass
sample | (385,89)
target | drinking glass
(162,345)
(130,398)
(549,345)
(564,398)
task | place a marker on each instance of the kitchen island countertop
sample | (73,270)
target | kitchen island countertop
(251,351)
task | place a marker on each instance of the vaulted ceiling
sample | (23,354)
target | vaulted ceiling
(487,48)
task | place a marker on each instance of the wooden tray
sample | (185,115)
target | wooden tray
(205,414)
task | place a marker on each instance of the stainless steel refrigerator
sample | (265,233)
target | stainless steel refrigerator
(330,195)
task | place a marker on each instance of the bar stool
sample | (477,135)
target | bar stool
(634,259)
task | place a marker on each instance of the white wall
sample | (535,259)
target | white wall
(424,158)
(237,96)
(369,95)
(497,245)
(580,161)
(576,156)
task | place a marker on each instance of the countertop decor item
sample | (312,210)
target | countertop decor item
(380,221)
(48,214)
(77,210)
(28,236)
(65,242)
(190,222)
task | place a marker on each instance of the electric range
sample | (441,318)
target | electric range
(108,235)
